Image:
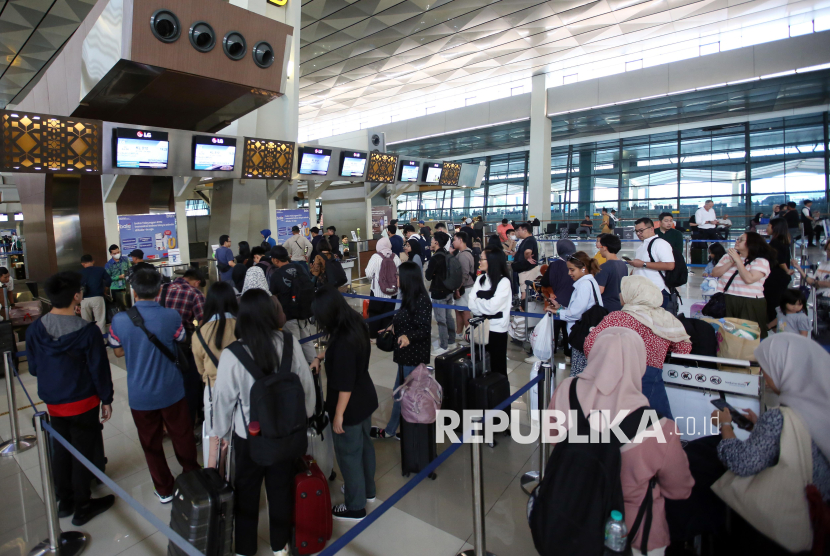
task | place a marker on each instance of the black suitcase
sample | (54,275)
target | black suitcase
(699,255)
(202,512)
(453,379)
(488,391)
(418,447)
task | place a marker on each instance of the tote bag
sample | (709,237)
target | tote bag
(774,501)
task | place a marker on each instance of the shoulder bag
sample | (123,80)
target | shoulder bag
(716,306)
(590,318)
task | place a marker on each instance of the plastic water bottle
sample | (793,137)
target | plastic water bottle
(728,326)
(615,533)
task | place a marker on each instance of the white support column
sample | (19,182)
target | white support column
(182,189)
(538,185)
(111,187)
(311,194)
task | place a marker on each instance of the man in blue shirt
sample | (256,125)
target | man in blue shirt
(224,260)
(395,239)
(155,387)
(96,282)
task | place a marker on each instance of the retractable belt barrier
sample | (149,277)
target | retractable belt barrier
(438,305)
(55,535)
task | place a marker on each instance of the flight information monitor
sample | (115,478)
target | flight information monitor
(214,153)
(432,172)
(409,170)
(314,161)
(352,164)
(137,148)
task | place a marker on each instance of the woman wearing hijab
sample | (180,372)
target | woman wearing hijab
(383,250)
(660,330)
(612,382)
(560,283)
(255,280)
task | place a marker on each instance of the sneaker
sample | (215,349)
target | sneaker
(284,552)
(532,359)
(438,351)
(65,509)
(343,490)
(340,513)
(379,433)
(163,499)
(96,506)
(452,346)
(462,343)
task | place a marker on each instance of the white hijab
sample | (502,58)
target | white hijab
(798,367)
(643,301)
(255,279)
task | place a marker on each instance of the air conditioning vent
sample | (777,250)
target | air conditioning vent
(202,36)
(234,45)
(263,54)
(165,26)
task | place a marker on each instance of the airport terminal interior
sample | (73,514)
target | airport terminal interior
(165,145)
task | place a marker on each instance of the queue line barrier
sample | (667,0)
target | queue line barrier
(70,543)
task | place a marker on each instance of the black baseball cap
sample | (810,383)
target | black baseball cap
(137,253)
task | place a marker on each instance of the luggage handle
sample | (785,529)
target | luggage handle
(475,322)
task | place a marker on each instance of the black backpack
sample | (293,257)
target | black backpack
(676,277)
(278,405)
(335,275)
(568,510)
(297,302)
(589,319)
(702,335)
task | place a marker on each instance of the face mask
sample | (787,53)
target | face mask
(513,238)
(116,256)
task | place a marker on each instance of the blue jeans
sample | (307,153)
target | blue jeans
(668,304)
(356,458)
(655,390)
(394,419)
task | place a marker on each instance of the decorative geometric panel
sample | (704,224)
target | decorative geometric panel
(450,173)
(41,143)
(382,167)
(267,158)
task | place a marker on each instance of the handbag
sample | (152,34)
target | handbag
(590,318)
(387,341)
(482,333)
(774,500)
(716,306)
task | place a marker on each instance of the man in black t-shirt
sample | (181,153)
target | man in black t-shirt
(527,254)
(611,273)
(792,218)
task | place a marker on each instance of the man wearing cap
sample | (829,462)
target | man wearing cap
(471,233)
(298,247)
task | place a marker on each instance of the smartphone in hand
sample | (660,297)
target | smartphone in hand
(738,418)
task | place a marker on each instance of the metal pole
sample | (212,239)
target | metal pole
(63,544)
(532,478)
(814,311)
(17,443)
(479,538)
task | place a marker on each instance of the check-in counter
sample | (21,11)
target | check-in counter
(364,251)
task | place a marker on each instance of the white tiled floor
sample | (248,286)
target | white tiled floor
(434,519)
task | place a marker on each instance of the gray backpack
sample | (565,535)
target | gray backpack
(453,279)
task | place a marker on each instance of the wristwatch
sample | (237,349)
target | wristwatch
(645,264)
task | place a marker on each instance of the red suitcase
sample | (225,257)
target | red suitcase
(312,508)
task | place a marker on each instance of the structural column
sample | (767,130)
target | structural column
(538,185)
(111,187)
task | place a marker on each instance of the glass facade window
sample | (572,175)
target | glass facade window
(196,207)
(746,168)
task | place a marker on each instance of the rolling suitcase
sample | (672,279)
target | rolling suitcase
(486,389)
(418,447)
(453,379)
(202,513)
(312,508)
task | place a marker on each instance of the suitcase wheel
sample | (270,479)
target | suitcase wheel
(303,495)
(433,476)
(405,475)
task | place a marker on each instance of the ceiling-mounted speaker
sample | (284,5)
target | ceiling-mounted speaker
(165,26)
(377,142)
(263,54)
(202,36)
(234,45)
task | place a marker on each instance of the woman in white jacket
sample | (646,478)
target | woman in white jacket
(492,296)
(257,328)
(581,269)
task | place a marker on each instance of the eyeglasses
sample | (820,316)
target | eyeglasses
(640,231)
(575,260)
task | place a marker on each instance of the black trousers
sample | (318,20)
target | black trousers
(194,390)
(72,479)
(498,352)
(810,232)
(561,327)
(279,484)
(378,308)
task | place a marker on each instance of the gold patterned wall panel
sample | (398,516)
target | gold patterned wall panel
(42,143)
(382,167)
(267,159)
(450,173)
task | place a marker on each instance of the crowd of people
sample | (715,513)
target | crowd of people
(193,359)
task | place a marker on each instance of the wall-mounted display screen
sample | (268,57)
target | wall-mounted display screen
(314,161)
(214,153)
(137,148)
(432,172)
(352,164)
(409,170)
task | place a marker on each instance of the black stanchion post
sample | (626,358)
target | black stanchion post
(532,478)
(478,493)
(17,443)
(62,544)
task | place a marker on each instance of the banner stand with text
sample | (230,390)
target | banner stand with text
(288,218)
(154,234)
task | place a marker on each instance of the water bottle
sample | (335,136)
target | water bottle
(615,533)
(728,326)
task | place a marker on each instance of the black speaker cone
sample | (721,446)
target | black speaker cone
(202,36)
(234,45)
(263,54)
(165,25)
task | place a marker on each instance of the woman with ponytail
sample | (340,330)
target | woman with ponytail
(491,296)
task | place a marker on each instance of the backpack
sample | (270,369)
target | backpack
(278,405)
(420,396)
(589,319)
(611,222)
(388,276)
(297,303)
(676,277)
(453,278)
(476,259)
(335,275)
(568,510)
